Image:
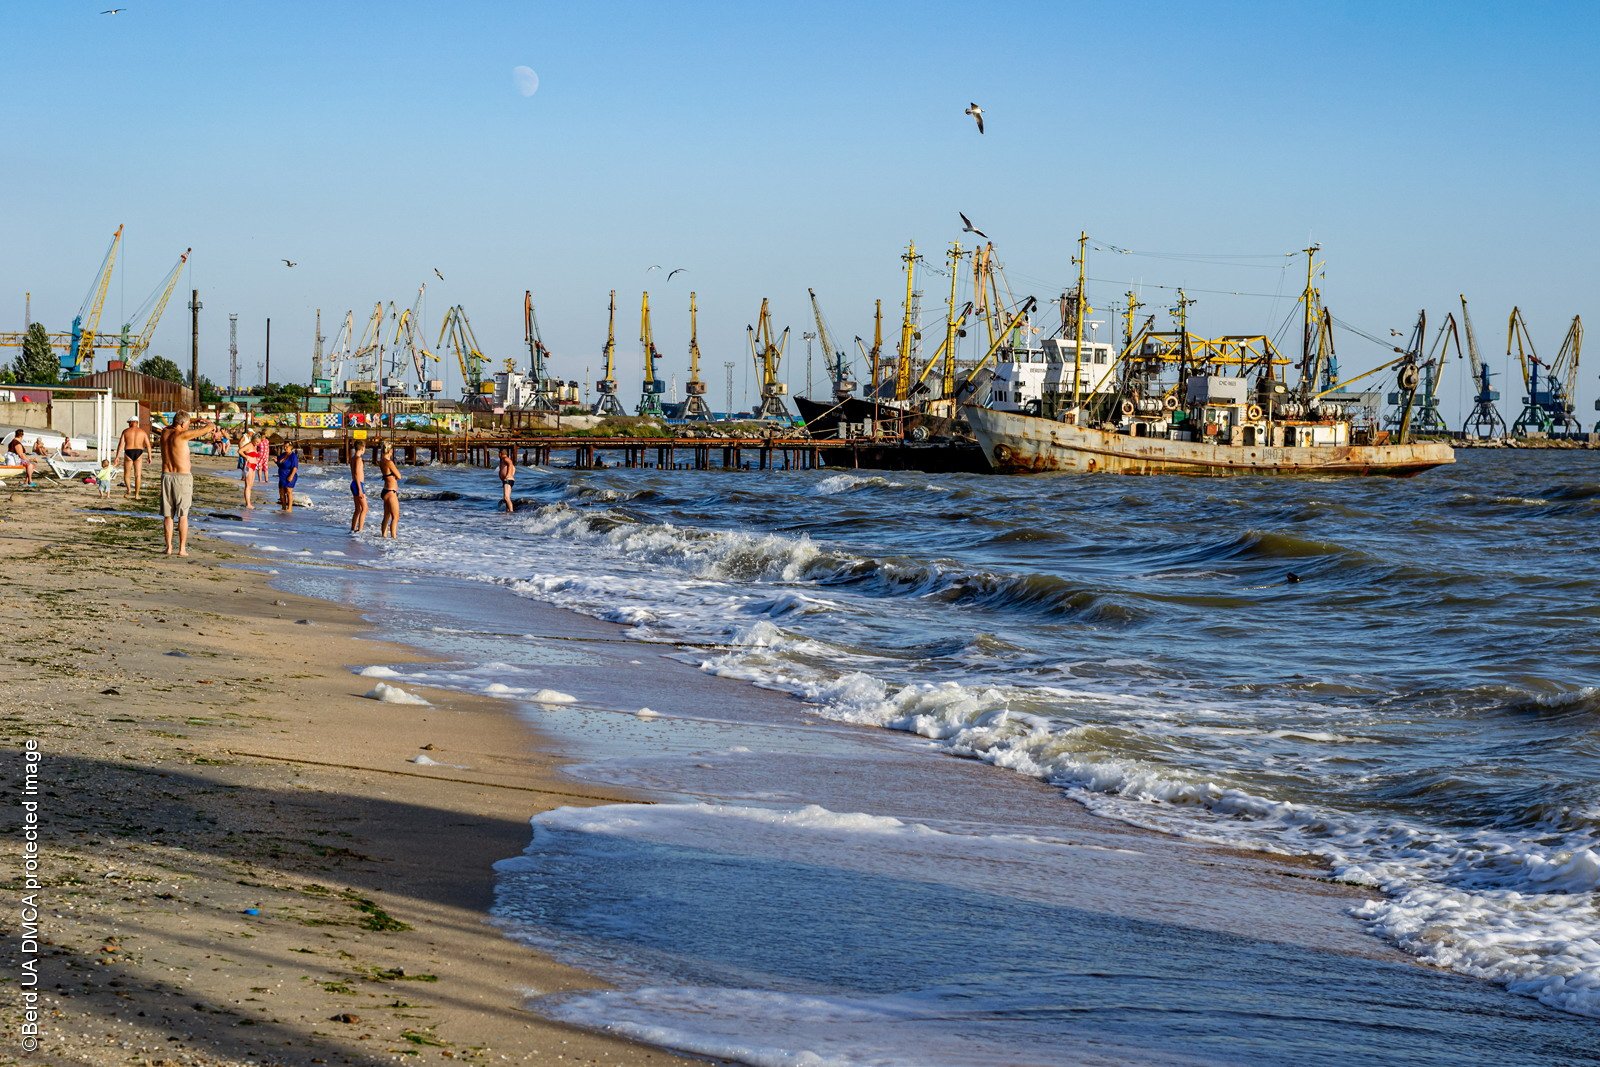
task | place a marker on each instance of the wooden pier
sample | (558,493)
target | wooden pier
(594,453)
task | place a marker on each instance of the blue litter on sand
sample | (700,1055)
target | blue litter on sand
(252,911)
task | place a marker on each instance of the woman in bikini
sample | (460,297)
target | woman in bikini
(247,467)
(358,492)
(391,492)
(508,478)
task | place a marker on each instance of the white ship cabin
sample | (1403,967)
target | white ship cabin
(1039,381)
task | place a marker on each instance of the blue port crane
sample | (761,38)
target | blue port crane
(1484,420)
(1547,406)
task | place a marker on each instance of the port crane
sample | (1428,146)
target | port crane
(407,346)
(79,359)
(606,387)
(1423,399)
(333,362)
(368,353)
(650,394)
(695,408)
(457,336)
(130,349)
(838,370)
(1546,406)
(1484,420)
(768,357)
(546,391)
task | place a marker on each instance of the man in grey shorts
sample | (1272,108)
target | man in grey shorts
(177,478)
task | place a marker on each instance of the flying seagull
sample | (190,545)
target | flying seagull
(675,270)
(114,11)
(968,227)
(290,263)
(977,115)
(651,267)
(436,274)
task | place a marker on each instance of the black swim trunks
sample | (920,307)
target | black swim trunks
(133,453)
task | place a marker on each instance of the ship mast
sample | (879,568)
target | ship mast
(947,386)
(1077,349)
(908,327)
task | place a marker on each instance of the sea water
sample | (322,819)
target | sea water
(1396,678)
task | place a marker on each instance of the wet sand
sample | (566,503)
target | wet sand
(239,862)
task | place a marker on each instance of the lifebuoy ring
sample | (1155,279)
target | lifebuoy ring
(1127,407)
(919,433)
(1170,402)
(1253,412)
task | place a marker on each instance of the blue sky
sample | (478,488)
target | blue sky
(1430,148)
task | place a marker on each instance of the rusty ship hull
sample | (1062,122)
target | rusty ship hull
(1027,444)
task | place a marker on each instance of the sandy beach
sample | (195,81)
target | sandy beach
(239,862)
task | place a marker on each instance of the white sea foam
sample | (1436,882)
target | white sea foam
(552,696)
(390,694)
(1505,905)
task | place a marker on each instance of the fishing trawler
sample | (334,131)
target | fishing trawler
(1176,403)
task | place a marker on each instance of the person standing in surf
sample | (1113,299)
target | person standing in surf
(358,491)
(288,475)
(390,527)
(508,478)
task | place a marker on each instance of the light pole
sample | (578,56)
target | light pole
(809,336)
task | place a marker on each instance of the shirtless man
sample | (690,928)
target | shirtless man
(133,446)
(177,481)
(508,478)
(358,492)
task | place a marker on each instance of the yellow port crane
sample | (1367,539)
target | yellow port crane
(1548,405)
(606,387)
(650,396)
(80,356)
(407,345)
(695,408)
(131,349)
(457,335)
(768,357)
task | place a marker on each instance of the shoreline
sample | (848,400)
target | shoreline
(240,864)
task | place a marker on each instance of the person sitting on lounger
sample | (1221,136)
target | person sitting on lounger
(17,456)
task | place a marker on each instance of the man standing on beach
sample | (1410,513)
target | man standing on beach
(177,479)
(133,446)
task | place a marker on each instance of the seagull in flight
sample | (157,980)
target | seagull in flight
(651,267)
(290,263)
(977,115)
(114,11)
(675,270)
(436,274)
(968,227)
